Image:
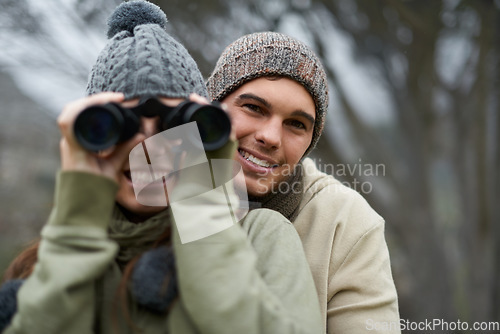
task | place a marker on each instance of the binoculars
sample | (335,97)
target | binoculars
(99,127)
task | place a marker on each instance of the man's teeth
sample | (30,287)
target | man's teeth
(255,160)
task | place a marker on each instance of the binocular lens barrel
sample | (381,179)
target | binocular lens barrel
(213,124)
(99,127)
(102,126)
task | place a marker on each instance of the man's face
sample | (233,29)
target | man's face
(273,119)
(135,211)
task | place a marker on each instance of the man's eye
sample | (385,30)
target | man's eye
(253,107)
(297,124)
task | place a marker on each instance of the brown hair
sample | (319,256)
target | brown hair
(23,264)
(22,267)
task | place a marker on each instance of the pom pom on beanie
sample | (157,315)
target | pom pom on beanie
(131,14)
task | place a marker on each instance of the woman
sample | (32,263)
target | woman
(105,262)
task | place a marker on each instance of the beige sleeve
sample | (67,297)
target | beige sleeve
(364,296)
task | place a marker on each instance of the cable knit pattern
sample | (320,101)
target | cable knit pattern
(141,58)
(271,54)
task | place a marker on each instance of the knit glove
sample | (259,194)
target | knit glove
(8,301)
(154,284)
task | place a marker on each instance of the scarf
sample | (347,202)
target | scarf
(153,283)
(285,199)
(135,238)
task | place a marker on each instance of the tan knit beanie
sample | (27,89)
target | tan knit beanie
(271,54)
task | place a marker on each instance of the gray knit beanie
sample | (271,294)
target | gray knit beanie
(271,54)
(141,58)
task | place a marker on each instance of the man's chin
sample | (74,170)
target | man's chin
(258,192)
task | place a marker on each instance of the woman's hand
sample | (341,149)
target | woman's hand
(75,158)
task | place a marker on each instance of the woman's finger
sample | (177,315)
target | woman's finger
(198,99)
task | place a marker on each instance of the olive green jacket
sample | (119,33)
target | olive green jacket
(252,278)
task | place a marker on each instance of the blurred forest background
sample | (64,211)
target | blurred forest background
(414,87)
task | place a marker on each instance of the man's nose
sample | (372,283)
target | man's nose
(269,134)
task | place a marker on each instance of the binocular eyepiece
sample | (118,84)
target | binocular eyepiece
(99,127)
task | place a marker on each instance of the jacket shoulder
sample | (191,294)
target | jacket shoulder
(324,193)
(265,221)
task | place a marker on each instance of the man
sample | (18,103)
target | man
(276,92)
